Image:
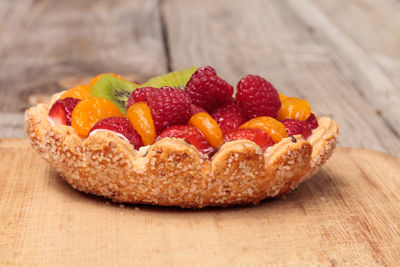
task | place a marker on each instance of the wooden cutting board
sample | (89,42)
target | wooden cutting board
(349,213)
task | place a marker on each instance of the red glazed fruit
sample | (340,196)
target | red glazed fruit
(297,127)
(60,112)
(258,136)
(207,90)
(312,121)
(194,109)
(168,106)
(139,95)
(120,126)
(190,134)
(257,97)
(229,117)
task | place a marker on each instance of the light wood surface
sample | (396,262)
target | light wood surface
(343,56)
(348,214)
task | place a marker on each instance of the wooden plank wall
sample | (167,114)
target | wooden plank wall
(343,56)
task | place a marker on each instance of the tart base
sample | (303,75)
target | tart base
(173,172)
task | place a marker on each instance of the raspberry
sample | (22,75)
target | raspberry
(194,109)
(257,97)
(207,90)
(312,121)
(190,134)
(60,112)
(139,95)
(121,126)
(297,127)
(168,106)
(258,136)
(229,117)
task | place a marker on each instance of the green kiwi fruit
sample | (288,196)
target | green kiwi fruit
(176,79)
(113,89)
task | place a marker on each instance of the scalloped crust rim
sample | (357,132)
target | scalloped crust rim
(173,172)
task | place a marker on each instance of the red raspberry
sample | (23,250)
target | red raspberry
(121,126)
(207,90)
(297,127)
(258,136)
(257,97)
(229,117)
(139,95)
(312,121)
(168,106)
(195,109)
(60,112)
(190,134)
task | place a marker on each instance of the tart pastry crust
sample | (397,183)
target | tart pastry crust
(175,173)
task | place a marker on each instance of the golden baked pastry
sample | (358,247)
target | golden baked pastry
(171,171)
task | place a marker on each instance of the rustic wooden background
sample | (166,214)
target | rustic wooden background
(343,56)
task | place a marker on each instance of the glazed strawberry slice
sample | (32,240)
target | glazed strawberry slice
(190,134)
(297,127)
(312,121)
(60,112)
(258,136)
(122,127)
(229,117)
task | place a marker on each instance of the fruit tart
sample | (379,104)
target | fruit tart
(187,139)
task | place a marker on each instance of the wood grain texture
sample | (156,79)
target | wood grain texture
(12,124)
(342,56)
(375,35)
(45,41)
(348,214)
(303,51)
(352,47)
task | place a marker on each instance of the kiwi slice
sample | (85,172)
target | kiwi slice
(176,79)
(113,89)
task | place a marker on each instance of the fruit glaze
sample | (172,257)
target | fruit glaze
(181,139)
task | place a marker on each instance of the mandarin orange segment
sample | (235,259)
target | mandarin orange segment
(91,110)
(273,127)
(139,114)
(283,97)
(78,92)
(294,108)
(208,126)
(95,79)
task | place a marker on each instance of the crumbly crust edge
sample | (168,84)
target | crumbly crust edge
(175,173)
